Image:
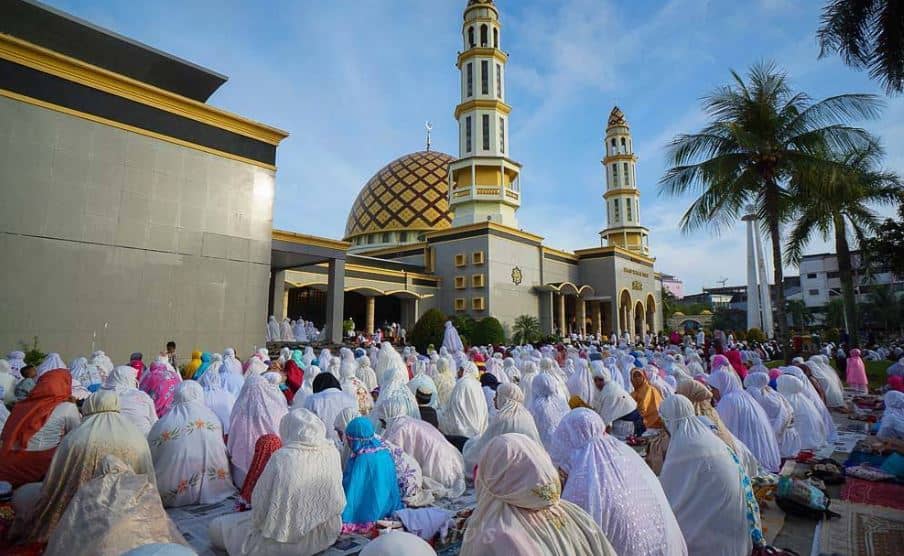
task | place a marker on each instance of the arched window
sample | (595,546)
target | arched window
(471,37)
(624,147)
(614,149)
(495,38)
(483,35)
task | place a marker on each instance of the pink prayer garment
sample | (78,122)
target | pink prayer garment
(856,372)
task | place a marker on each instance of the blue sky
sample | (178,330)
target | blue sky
(353,81)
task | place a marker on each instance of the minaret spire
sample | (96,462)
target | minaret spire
(622,197)
(484,182)
(429,127)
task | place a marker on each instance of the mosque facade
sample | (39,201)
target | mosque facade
(435,230)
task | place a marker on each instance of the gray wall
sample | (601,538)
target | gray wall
(100,225)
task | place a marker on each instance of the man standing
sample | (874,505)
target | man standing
(171,354)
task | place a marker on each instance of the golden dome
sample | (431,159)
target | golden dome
(617,118)
(411,193)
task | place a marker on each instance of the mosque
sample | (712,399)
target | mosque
(135,212)
(431,229)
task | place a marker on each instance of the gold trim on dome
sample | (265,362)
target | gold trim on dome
(45,60)
(410,194)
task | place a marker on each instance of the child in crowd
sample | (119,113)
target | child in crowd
(27,384)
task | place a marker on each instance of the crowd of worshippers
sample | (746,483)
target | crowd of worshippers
(313,446)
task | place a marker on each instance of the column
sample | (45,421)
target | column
(280,295)
(563,326)
(335,299)
(596,317)
(581,309)
(616,320)
(369,305)
(753,295)
(765,294)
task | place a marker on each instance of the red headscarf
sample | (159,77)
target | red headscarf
(265,447)
(734,357)
(28,416)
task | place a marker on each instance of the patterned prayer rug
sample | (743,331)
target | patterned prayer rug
(862,531)
(889,495)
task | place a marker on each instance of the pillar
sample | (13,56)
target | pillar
(765,294)
(581,309)
(280,295)
(369,305)
(563,326)
(596,317)
(335,299)
(753,294)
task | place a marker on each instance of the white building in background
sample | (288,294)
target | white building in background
(820,280)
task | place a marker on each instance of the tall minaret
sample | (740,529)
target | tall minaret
(622,197)
(483,182)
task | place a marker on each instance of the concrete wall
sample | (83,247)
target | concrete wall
(135,239)
(508,300)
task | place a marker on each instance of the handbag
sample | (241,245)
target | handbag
(801,498)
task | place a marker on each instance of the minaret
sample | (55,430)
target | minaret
(622,197)
(483,182)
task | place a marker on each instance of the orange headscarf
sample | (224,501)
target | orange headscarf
(648,399)
(28,416)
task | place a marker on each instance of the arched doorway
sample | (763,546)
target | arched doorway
(639,315)
(308,303)
(651,314)
(624,312)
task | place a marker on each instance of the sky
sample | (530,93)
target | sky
(354,81)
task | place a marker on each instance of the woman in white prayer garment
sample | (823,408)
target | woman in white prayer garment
(394,382)
(519,508)
(828,379)
(529,371)
(216,397)
(441,463)
(257,411)
(580,383)
(810,392)
(608,480)
(548,407)
(451,340)
(422,380)
(611,402)
(466,413)
(298,501)
(807,420)
(134,405)
(327,401)
(511,417)
(705,486)
(365,373)
(779,411)
(189,454)
(745,418)
(444,380)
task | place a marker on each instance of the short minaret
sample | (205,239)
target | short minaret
(483,182)
(622,197)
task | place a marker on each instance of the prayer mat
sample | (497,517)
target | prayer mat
(859,491)
(772,518)
(862,531)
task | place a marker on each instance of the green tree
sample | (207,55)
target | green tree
(835,313)
(868,34)
(669,304)
(488,331)
(428,330)
(884,307)
(884,251)
(800,313)
(756,335)
(729,319)
(526,330)
(465,325)
(841,207)
(760,132)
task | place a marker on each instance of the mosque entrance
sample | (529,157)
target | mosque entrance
(308,303)
(387,310)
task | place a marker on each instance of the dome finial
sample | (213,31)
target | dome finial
(617,118)
(429,127)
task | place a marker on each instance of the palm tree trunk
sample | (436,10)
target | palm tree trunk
(778,273)
(847,278)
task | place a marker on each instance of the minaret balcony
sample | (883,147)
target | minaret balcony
(485,192)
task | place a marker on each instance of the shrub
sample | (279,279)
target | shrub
(832,335)
(428,330)
(756,335)
(465,325)
(488,331)
(33,355)
(526,330)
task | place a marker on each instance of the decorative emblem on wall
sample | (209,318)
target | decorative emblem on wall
(637,285)
(517,276)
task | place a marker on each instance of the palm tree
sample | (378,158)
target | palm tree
(884,306)
(834,313)
(526,330)
(867,34)
(800,314)
(842,205)
(760,132)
